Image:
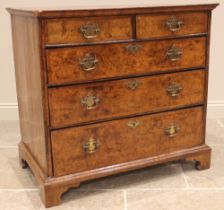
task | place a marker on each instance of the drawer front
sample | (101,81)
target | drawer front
(174,24)
(71,65)
(86,30)
(104,144)
(91,102)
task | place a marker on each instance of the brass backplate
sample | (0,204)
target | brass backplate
(90,101)
(91,145)
(90,31)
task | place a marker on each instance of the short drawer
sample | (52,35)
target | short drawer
(79,64)
(99,145)
(172,24)
(87,30)
(91,102)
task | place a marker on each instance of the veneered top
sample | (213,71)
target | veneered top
(107,10)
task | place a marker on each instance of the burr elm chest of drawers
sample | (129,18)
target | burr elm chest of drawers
(105,91)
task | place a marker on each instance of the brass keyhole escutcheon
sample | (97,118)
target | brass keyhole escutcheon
(89,62)
(133,84)
(90,31)
(174,89)
(90,102)
(172,130)
(91,145)
(133,48)
(174,54)
(133,124)
(174,24)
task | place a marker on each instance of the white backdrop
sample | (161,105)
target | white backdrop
(8,101)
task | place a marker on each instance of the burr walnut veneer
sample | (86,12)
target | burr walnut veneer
(106,91)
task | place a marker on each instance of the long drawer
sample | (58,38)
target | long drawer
(88,63)
(104,100)
(103,144)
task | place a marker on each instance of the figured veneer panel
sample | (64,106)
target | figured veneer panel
(119,143)
(114,60)
(154,25)
(62,31)
(117,99)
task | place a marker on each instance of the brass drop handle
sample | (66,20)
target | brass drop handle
(133,124)
(174,24)
(90,31)
(90,102)
(174,89)
(133,84)
(89,62)
(91,146)
(174,54)
(172,130)
(133,48)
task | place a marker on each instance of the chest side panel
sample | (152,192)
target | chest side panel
(29,86)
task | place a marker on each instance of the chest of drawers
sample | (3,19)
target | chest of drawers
(105,91)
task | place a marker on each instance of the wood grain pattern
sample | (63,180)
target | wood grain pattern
(52,188)
(68,30)
(152,26)
(106,11)
(116,99)
(115,60)
(121,148)
(25,33)
(148,139)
